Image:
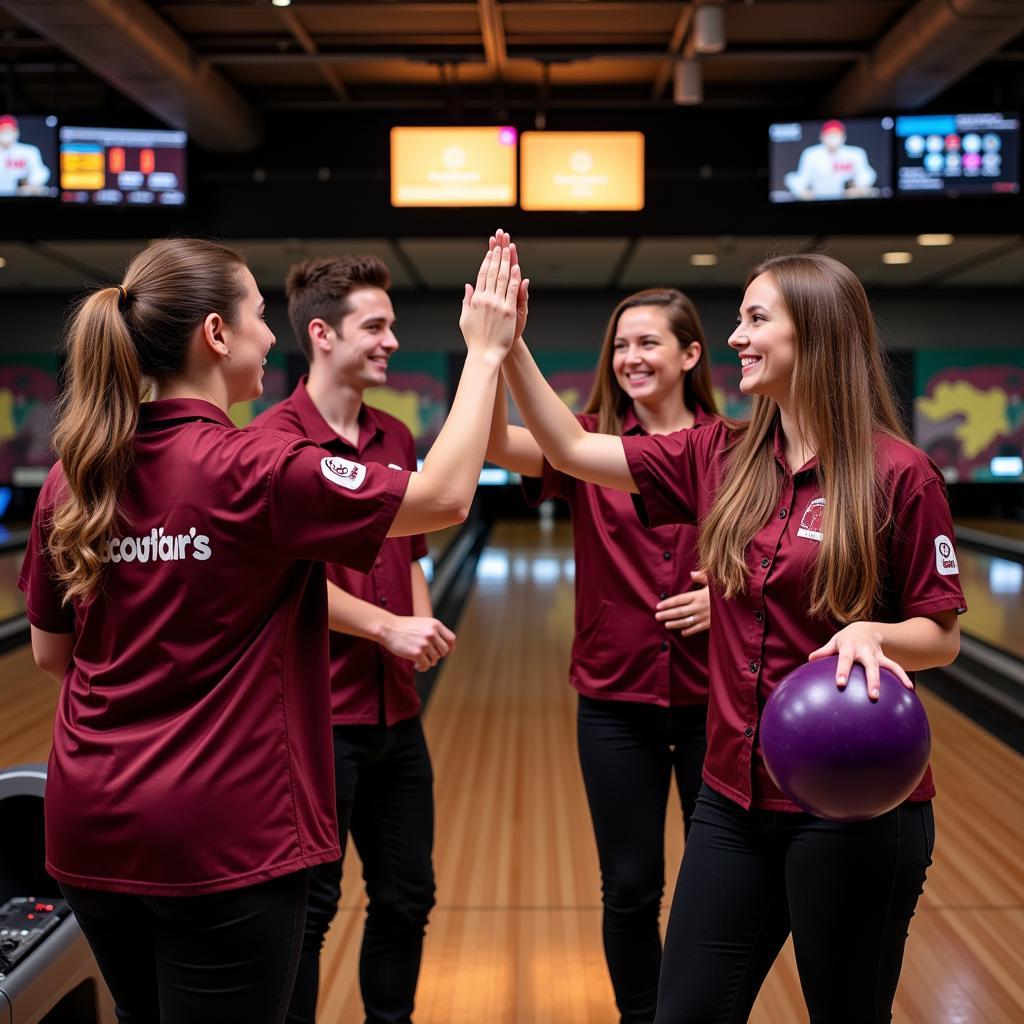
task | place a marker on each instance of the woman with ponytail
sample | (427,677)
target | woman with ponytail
(820,528)
(175,588)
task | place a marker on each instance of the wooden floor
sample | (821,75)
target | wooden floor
(994,590)
(516,935)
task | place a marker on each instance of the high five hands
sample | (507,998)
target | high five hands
(490,310)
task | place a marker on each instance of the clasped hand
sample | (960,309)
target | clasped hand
(490,309)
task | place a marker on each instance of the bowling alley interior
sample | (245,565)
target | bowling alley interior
(624,145)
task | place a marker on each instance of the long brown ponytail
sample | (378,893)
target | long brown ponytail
(117,338)
(843,399)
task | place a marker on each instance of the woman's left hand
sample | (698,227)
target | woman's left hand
(690,611)
(860,641)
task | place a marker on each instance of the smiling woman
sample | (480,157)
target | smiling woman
(818,530)
(639,657)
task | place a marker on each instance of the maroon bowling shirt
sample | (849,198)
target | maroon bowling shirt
(620,651)
(192,747)
(368,683)
(762,635)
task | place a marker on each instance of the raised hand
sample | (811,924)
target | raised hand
(496,240)
(489,310)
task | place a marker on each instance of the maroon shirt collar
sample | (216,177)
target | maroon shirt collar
(779,442)
(320,432)
(177,410)
(631,425)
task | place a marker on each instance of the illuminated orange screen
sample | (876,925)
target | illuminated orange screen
(582,171)
(453,166)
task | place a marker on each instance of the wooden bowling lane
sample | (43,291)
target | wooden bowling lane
(12,601)
(994,589)
(1012,528)
(516,935)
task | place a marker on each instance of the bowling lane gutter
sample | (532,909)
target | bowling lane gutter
(990,543)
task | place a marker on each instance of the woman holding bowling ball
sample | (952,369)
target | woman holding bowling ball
(824,532)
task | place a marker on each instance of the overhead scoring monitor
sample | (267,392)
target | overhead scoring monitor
(582,171)
(831,160)
(949,154)
(453,166)
(122,166)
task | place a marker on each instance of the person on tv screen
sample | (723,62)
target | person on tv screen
(22,170)
(832,169)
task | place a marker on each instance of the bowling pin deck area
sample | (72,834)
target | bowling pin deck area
(516,934)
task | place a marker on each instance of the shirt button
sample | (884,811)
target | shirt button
(782,513)
(759,616)
(754,666)
(765,562)
(748,732)
(664,645)
(664,595)
(384,602)
(666,555)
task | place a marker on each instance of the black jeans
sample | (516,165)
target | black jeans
(846,891)
(628,752)
(226,958)
(385,795)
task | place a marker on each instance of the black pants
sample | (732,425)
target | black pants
(628,752)
(846,891)
(227,958)
(385,798)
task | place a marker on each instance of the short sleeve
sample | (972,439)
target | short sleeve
(326,508)
(925,574)
(552,483)
(37,580)
(668,470)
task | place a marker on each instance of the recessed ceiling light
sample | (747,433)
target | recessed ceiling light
(897,257)
(703,259)
(281,3)
(935,239)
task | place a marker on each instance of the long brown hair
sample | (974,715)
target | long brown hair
(842,397)
(607,398)
(117,337)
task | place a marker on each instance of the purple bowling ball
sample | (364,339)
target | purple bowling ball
(838,754)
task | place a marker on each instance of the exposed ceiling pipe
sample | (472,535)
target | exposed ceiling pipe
(930,48)
(139,54)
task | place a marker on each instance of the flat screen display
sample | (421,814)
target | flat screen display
(957,154)
(831,160)
(453,166)
(122,166)
(28,157)
(582,171)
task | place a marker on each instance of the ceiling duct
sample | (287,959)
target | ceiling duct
(930,48)
(139,54)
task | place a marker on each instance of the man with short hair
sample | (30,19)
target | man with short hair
(382,628)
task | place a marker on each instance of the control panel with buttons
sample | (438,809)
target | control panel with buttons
(24,922)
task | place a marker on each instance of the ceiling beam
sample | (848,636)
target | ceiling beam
(675,46)
(930,48)
(493,32)
(308,44)
(130,47)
